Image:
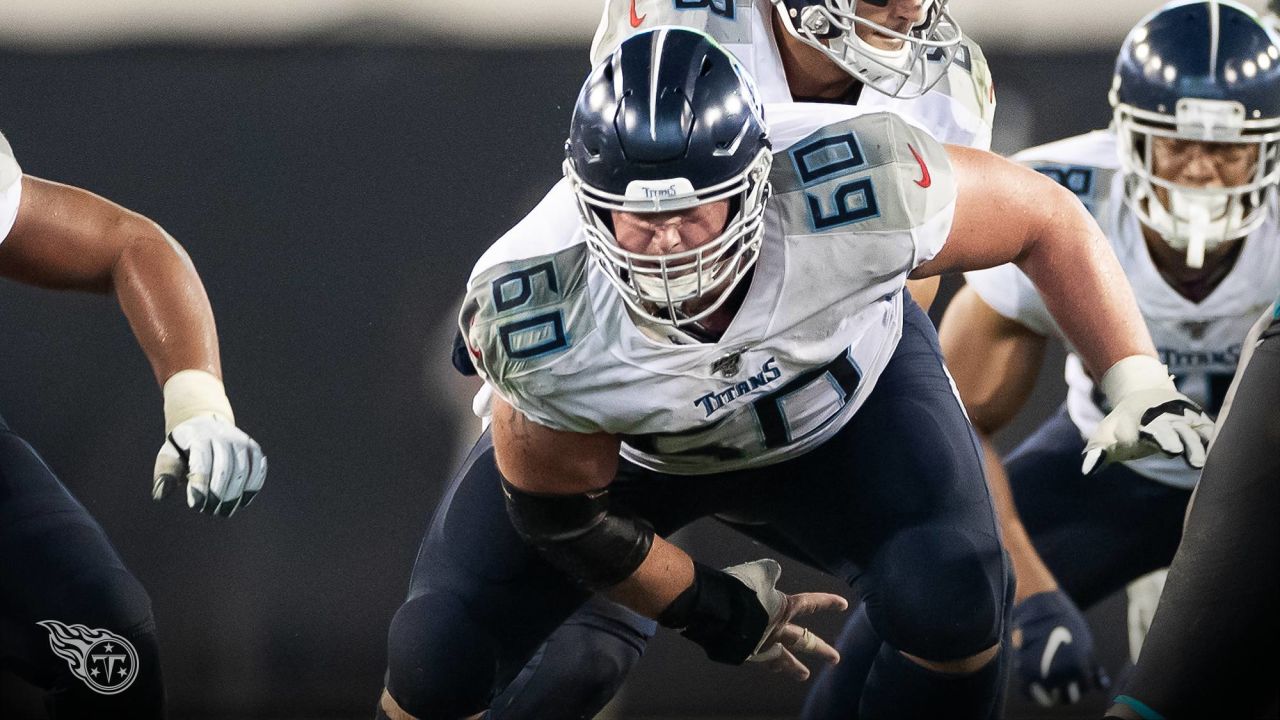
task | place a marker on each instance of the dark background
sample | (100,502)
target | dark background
(334,198)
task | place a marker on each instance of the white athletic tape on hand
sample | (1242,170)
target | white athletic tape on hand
(189,393)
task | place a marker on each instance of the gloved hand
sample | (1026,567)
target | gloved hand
(1149,415)
(1054,649)
(222,466)
(1144,596)
(783,639)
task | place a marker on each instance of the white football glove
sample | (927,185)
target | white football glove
(1144,597)
(782,639)
(222,466)
(1149,416)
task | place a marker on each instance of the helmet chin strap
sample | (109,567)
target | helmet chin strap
(1194,224)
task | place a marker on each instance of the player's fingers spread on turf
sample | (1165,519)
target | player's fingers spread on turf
(802,640)
(1195,452)
(788,665)
(802,604)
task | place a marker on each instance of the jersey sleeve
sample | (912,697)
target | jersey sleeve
(520,320)
(865,175)
(10,188)
(1010,292)
(927,185)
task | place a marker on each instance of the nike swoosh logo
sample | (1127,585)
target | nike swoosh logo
(924,181)
(636,19)
(1059,637)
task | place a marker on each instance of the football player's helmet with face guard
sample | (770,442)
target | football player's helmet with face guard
(1202,71)
(667,122)
(923,54)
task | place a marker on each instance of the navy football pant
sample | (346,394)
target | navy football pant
(1212,648)
(57,564)
(895,504)
(1095,534)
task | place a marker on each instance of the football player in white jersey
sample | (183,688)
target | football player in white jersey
(912,58)
(75,620)
(1211,649)
(707,316)
(1184,187)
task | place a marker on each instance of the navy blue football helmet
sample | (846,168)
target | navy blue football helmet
(669,121)
(1206,71)
(830,26)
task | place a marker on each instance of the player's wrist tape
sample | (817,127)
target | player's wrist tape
(190,393)
(579,535)
(720,613)
(1134,373)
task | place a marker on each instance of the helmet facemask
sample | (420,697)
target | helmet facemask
(668,288)
(1196,220)
(908,72)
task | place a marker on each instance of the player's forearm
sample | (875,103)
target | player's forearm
(166,305)
(1084,287)
(666,572)
(1032,574)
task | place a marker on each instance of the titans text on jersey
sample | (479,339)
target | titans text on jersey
(820,320)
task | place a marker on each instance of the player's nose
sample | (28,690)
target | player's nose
(911,11)
(1201,170)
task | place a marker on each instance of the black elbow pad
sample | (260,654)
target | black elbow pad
(579,535)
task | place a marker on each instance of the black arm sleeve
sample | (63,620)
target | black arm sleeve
(578,534)
(720,613)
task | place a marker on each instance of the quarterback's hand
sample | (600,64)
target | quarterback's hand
(1150,416)
(783,639)
(1055,650)
(222,466)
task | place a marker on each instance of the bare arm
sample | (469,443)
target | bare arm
(1008,213)
(994,361)
(70,239)
(538,459)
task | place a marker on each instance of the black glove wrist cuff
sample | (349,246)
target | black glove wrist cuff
(720,613)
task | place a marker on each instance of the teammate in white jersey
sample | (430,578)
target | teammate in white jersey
(75,621)
(726,313)
(910,52)
(1183,186)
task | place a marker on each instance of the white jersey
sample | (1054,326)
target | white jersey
(819,322)
(958,110)
(10,188)
(1200,342)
